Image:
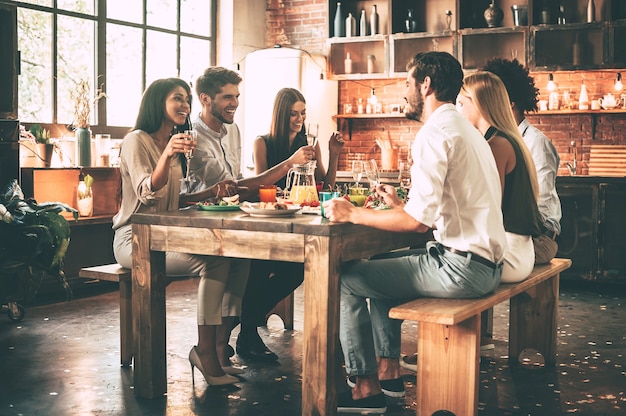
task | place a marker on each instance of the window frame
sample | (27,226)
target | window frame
(101,21)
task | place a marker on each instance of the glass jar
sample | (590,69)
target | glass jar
(84,199)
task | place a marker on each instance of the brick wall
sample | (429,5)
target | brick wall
(304,24)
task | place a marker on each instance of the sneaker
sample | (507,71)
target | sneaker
(486,344)
(391,388)
(409,362)
(372,404)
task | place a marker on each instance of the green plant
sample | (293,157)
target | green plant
(33,240)
(41,135)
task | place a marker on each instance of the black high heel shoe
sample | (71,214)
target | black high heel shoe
(194,360)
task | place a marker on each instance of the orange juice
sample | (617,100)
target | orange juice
(267,193)
(299,194)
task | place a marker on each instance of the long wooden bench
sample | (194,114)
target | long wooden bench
(116,273)
(448,337)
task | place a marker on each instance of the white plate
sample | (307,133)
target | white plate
(312,210)
(255,211)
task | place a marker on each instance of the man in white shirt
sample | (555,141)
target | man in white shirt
(456,191)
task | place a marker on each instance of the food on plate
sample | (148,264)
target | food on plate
(222,202)
(273,205)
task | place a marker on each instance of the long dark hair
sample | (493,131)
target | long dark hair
(152,107)
(279,127)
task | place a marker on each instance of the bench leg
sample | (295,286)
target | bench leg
(126,322)
(284,309)
(533,321)
(447,378)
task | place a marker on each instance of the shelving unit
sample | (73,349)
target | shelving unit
(539,46)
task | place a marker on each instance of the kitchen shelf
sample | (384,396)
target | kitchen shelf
(351,117)
(478,46)
(403,46)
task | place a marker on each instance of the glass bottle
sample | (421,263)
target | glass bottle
(339,22)
(363,24)
(591,11)
(359,106)
(350,26)
(374,21)
(561,19)
(583,98)
(545,14)
(371,64)
(347,64)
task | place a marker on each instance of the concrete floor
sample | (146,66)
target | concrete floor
(63,359)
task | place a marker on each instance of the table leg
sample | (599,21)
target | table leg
(150,370)
(321,325)
(447,377)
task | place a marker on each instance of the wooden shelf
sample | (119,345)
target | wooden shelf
(351,117)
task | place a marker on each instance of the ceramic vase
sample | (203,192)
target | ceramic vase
(410,24)
(493,15)
(45,151)
(83,146)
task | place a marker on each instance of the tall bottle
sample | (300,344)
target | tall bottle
(350,26)
(347,64)
(583,98)
(363,24)
(591,11)
(374,21)
(339,22)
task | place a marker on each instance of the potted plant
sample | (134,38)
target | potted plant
(33,241)
(44,147)
(81,96)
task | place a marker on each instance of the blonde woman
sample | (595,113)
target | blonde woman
(484,101)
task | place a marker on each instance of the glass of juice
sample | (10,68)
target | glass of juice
(267,193)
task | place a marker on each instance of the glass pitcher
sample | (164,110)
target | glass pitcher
(301,183)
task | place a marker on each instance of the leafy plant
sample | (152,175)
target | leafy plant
(33,240)
(41,135)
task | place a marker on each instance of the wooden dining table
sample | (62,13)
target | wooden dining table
(322,246)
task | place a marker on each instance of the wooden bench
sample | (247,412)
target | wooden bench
(448,337)
(116,273)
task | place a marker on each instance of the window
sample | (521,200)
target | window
(115,45)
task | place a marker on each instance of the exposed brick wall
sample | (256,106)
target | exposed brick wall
(304,24)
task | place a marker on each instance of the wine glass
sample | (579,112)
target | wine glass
(357,171)
(405,178)
(311,135)
(192,135)
(371,170)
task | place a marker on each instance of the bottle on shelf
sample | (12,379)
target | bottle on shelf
(577,51)
(359,106)
(583,98)
(561,18)
(347,64)
(338,26)
(545,14)
(591,11)
(372,102)
(410,24)
(374,21)
(363,24)
(371,64)
(350,26)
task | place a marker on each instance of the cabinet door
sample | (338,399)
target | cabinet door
(579,229)
(612,244)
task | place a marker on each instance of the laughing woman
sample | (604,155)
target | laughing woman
(151,171)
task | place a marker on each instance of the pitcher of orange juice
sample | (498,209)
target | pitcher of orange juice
(301,183)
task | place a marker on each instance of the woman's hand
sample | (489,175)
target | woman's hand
(179,143)
(302,156)
(335,144)
(389,195)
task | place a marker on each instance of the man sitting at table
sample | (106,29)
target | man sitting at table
(456,191)
(217,157)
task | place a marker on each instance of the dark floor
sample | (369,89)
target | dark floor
(63,359)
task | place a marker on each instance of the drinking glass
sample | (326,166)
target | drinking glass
(357,171)
(193,136)
(405,178)
(371,170)
(311,134)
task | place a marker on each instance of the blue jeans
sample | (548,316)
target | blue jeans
(394,278)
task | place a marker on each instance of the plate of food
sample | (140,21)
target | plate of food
(269,209)
(227,203)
